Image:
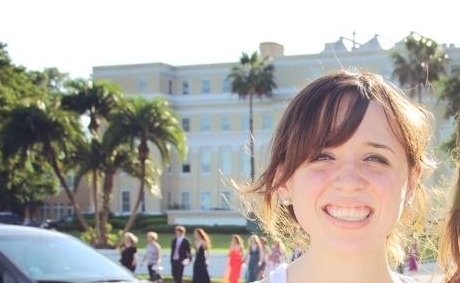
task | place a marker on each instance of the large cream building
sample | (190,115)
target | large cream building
(216,121)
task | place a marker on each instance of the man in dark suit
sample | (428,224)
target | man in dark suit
(180,253)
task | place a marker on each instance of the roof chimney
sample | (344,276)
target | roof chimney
(271,49)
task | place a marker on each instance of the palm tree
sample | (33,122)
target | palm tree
(450,92)
(254,76)
(46,130)
(140,122)
(421,63)
(96,101)
(107,158)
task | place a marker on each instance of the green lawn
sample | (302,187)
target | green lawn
(220,242)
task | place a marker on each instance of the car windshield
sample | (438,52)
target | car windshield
(61,259)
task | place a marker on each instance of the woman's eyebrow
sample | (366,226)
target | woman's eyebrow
(379,145)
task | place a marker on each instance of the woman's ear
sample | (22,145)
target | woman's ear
(414,181)
(282,188)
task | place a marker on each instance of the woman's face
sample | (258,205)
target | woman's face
(197,236)
(350,197)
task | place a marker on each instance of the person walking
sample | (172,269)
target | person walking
(235,260)
(277,255)
(152,256)
(180,253)
(263,271)
(200,265)
(253,258)
(129,251)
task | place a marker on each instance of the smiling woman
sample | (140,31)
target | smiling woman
(344,175)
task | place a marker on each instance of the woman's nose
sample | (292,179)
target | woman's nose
(349,177)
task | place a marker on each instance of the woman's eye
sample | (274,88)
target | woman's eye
(377,158)
(322,157)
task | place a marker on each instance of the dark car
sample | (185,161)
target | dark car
(8,217)
(30,254)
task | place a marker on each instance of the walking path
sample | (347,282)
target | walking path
(428,272)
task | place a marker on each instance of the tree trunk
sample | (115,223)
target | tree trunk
(251,138)
(106,197)
(419,91)
(97,217)
(69,194)
(135,210)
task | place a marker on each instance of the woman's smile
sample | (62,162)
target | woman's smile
(348,214)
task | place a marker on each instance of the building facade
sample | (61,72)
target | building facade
(217,123)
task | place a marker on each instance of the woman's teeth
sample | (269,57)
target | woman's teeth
(351,214)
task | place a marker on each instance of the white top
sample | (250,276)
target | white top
(279,275)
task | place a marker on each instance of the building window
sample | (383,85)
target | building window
(142,204)
(225,123)
(142,85)
(186,124)
(205,160)
(245,122)
(185,200)
(62,211)
(226,85)
(225,200)
(125,201)
(69,209)
(205,200)
(46,211)
(57,210)
(186,168)
(70,180)
(169,199)
(170,87)
(205,124)
(267,122)
(185,88)
(226,160)
(206,86)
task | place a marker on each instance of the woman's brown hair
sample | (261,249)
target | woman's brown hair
(205,237)
(237,238)
(449,251)
(310,123)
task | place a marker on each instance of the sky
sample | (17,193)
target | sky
(76,35)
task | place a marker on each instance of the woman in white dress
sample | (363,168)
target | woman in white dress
(344,176)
